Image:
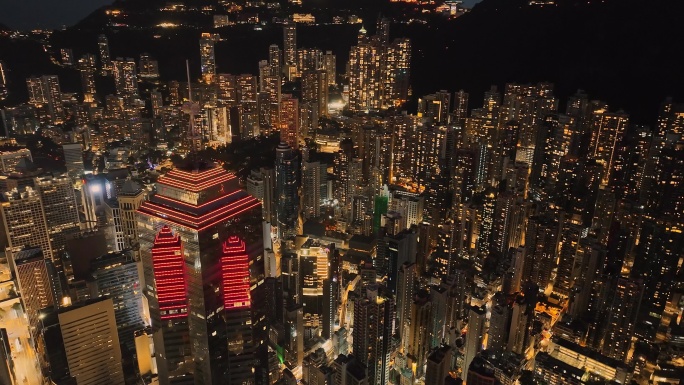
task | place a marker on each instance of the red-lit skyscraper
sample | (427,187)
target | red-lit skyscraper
(218,229)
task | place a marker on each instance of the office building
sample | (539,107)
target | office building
(196,208)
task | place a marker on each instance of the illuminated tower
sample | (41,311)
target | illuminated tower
(275,59)
(290,43)
(289,120)
(607,131)
(125,77)
(105,58)
(373,327)
(287,190)
(315,90)
(207,58)
(330,66)
(86,66)
(237,331)
(622,318)
(168,301)
(198,207)
(33,273)
(46,91)
(61,208)
(24,220)
(4,91)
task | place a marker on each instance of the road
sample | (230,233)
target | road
(26,367)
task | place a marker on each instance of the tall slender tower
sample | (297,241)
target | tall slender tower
(287,190)
(207,58)
(290,43)
(105,58)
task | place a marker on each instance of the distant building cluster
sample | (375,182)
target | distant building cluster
(511,241)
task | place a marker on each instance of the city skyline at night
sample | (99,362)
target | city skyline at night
(305,192)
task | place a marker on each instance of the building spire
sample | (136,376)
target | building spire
(192,109)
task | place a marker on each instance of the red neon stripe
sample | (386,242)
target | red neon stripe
(195,206)
(197,221)
(169,272)
(235,274)
(196,227)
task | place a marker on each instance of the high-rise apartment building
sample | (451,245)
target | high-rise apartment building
(289,120)
(315,90)
(373,319)
(290,43)
(477,318)
(105,58)
(607,131)
(46,92)
(207,58)
(125,77)
(87,68)
(314,188)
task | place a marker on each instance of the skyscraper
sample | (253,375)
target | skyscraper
(289,120)
(373,318)
(275,59)
(4,91)
(116,277)
(607,130)
(61,208)
(477,317)
(36,279)
(170,312)
(45,91)
(196,209)
(73,158)
(24,221)
(207,58)
(125,77)
(86,66)
(287,190)
(105,58)
(91,342)
(130,198)
(315,90)
(314,188)
(290,43)
(622,318)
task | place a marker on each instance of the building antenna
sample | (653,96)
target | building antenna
(191,108)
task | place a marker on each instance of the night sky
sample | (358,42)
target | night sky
(51,14)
